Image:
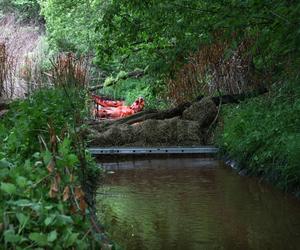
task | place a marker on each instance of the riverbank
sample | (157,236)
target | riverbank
(262,135)
(47,178)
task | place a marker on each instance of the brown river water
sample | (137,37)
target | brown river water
(194,203)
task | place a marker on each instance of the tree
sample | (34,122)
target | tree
(165,32)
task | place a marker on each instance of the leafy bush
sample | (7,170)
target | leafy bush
(29,118)
(28,10)
(167,31)
(71,24)
(263,135)
(31,215)
(131,89)
(43,204)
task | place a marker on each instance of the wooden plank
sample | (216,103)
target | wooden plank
(153,150)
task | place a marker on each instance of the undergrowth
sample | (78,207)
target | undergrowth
(263,135)
(43,166)
(131,89)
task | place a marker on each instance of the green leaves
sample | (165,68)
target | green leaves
(49,220)
(70,239)
(262,134)
(8,188)
(21,181)
(5,164)
(11,237)
(39,238)
(23,219)
(52,236)
(29,218)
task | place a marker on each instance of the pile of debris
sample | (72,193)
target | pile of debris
(185,125)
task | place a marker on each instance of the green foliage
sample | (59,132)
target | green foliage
(27,10)
(70,24)
(165,32)
(29,118)
(30,217)
(124,35)
(131,89)
(36,208)
(263,135)
(160,35)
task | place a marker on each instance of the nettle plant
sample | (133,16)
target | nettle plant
(43,203)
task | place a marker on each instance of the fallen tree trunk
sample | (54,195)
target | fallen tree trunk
(134,74)
(93,88)
(227,99)
(153,114)
(178,111)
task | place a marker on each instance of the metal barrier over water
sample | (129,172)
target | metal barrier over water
(153,150)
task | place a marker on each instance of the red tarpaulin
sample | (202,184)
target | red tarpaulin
(116,109)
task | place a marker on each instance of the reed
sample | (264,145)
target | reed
(68,70)
(211,70)
(7,73)
(19,44)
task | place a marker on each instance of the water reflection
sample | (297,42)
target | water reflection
(194,204)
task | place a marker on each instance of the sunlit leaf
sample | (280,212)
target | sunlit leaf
(70,239)
(21,181)
(8,188)
(49,220)
(52,236)
(39,238)
(22,218)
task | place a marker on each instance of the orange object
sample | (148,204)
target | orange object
(116,109)
(106,103)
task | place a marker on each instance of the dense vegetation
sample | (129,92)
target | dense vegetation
(263,135)
(42,172)
(27,10)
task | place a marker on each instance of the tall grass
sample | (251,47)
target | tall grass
(213,69)
(7,73)
(263,134)
(68,70)
(21,42)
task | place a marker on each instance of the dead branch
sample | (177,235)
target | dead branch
(177,111)
(133,74)
(93,88)
(154,114)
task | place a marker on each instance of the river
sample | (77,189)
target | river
(194,203)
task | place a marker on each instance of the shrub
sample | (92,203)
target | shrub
(27,10)
(130,89)
(43,203)
(30,117)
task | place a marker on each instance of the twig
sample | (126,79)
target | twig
(72,191)
(86,234)
(43,142)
